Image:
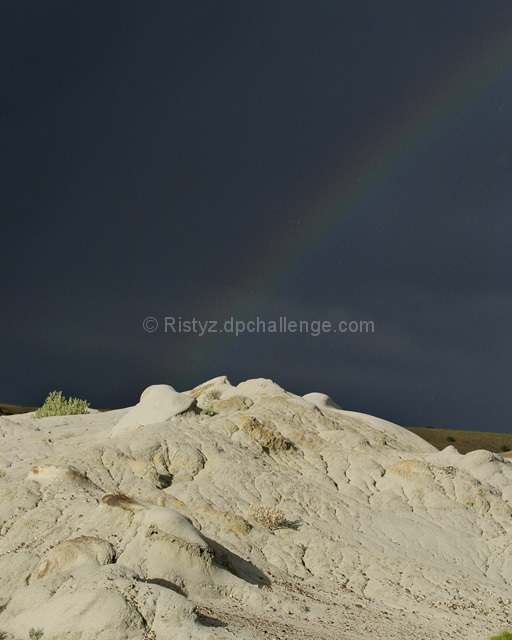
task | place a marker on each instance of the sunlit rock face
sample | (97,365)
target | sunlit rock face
(142,523)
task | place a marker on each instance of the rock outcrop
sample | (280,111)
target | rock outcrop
(139,523)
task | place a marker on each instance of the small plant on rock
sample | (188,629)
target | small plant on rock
(503,636)
(2,473)
(208,411)
(56,405)
(35,635)
(269,517)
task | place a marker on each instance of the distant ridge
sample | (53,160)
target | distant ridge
(14,409)
(465,441)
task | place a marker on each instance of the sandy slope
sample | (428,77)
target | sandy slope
(133,524)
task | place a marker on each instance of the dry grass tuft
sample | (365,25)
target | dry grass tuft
(269,517)
(213,394)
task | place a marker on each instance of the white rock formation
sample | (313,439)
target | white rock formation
(134,524)
(157,403)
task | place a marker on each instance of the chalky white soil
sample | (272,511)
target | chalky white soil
(134,524)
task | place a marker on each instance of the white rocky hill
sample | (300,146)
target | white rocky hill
(142,523)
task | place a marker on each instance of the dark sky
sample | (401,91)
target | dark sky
(316,160)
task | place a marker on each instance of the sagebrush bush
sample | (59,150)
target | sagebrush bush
(269,517)
(56,405)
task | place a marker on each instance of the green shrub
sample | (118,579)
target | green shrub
(56,405)
(504,448)
(208,411)
(450,439)
(35,635)
(503,636)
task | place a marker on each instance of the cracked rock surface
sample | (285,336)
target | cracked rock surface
(139,523)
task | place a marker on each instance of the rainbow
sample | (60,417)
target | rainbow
(420,122)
